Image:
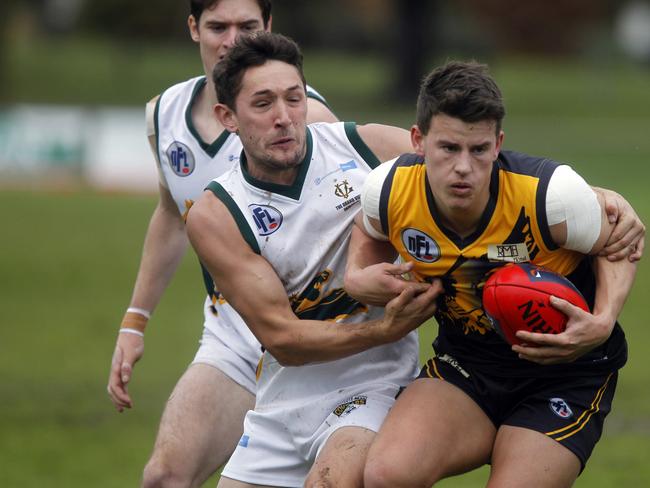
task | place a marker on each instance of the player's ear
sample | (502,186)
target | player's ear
(193,26)
(499,143)
(417,140)
(226,117)
(268,26)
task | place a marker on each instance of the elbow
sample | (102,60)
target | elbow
(286,349)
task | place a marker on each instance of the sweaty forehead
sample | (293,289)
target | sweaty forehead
(271,77)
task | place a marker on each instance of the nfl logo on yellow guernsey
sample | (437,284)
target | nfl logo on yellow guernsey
(420,245)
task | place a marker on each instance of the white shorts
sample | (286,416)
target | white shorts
(229,346)
(280,444)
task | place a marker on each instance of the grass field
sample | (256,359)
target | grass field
(68,260)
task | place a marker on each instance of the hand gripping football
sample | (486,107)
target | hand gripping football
(516,297)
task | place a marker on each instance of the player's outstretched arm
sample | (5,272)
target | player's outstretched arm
(164,246)
(251,285)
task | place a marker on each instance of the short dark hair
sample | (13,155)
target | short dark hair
(198,6)
(251,51)
(464,90)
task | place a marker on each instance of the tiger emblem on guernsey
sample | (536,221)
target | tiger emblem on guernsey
(318,303)
(461,301)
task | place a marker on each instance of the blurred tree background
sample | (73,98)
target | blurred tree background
(41,36)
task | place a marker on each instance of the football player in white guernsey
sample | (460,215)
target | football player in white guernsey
(203,418)
(273,232)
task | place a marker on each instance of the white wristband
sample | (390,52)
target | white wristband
(131,331)
(141,311)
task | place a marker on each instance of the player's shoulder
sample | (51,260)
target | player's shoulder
(409,159)
(184,89)
(341,135)
(328,132)
(526,164)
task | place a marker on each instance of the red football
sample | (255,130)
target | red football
(516,297)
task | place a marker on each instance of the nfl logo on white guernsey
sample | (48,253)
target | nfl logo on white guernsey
(181,159)
(267,219)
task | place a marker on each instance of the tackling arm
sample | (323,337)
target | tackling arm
(252,287)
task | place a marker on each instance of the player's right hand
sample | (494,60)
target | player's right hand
(128,350)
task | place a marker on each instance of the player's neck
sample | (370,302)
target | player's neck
(203,117)
(463,222)
(275,173)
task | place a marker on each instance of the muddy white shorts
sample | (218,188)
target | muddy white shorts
(281,442)
(228,345)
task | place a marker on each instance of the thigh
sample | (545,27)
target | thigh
(203,420)
(341,460)
(434,430)
(524,457)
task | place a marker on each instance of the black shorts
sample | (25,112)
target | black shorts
(570,410)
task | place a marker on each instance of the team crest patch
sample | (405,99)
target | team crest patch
(267,219)
(560,408)
(343,189)
(421,246)
(345,408)
(181,159)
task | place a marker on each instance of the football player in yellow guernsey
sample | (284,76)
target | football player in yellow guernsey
(455,210)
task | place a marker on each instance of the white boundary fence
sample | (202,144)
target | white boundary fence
(103,147)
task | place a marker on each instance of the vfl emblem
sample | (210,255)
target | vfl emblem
(560,408)
(420,245)
(352,404)
(343,189)
(180,158)
(267,219)
(243,442)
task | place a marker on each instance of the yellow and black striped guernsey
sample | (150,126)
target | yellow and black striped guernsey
(513,228)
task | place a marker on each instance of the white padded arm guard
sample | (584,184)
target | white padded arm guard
(370,195)
(570,199)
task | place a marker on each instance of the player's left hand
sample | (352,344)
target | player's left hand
(379,283)
(584,331)
(628,236)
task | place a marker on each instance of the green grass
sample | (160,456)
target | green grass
(68,259)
